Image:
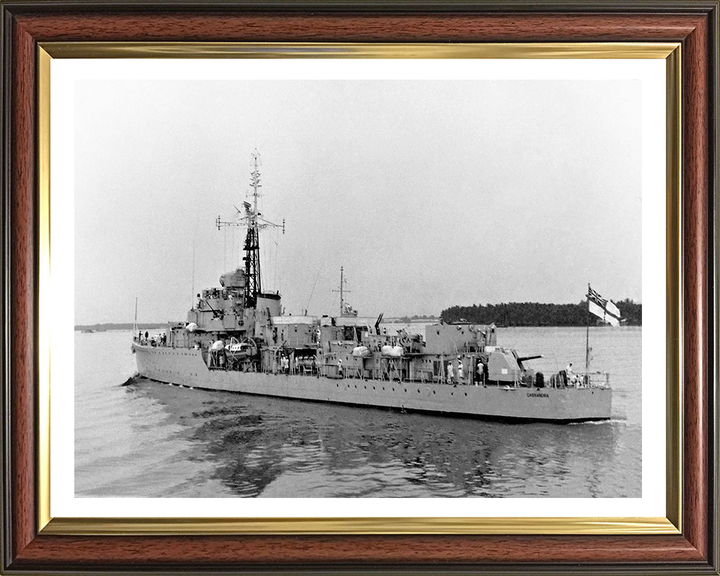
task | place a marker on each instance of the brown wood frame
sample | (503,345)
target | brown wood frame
(25,23)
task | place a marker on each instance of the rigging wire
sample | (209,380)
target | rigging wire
(192,286)
(192,290)
(307,306)
(275,268)
(262,279)
(334,301)
(232,246)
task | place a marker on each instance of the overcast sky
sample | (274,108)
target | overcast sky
(429,193)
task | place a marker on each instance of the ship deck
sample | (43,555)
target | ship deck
(186,367)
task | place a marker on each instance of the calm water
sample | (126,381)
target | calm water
(153,440)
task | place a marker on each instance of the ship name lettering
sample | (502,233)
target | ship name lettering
(537,395)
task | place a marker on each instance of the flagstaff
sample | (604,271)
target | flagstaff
(135,325)
(603,309)
(587,334)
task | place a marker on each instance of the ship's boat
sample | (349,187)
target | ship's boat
(241,350)
(392,351)
(236,338)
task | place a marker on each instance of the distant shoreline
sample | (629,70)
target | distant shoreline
(509,315)
(536,314)
(118,326)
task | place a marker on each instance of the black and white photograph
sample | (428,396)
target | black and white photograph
(358,288)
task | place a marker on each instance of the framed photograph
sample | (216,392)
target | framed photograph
(359,288)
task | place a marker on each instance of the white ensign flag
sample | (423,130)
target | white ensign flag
(602,308)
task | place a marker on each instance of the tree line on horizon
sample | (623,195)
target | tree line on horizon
(121,326)
(537,314)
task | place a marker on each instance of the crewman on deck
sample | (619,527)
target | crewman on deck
(340,367)
(460,371)
(572,378)
(450,373)
(480,372)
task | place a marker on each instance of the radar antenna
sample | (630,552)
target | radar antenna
(252,219)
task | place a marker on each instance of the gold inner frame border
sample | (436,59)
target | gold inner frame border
(671,524)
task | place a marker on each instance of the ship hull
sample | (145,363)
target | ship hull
(186,367)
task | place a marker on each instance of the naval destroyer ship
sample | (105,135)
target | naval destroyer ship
(236,339)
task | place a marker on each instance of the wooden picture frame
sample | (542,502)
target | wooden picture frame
(31,543)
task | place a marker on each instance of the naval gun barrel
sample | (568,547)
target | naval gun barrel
(216,313)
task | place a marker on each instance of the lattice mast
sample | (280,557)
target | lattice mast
(252,219)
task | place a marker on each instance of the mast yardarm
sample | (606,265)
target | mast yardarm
(252,219)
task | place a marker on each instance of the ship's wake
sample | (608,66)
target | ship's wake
(599,422)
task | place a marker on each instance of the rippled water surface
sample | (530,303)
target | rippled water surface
(154,440)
